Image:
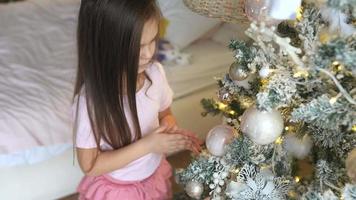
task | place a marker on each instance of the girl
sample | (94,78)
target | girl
(124,125)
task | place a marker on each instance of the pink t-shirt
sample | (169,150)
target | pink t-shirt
(150,100)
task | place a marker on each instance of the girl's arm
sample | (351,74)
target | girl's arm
(95,163)
(167,119)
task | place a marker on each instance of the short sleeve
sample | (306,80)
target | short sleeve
(166,91)
(84,136)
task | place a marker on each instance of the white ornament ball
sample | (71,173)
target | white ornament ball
(221,182)
(224,175)
(264,72)
(223,161)
(216,181)
(218,189)
(194,189)
(299,148)
(262,127)
(217,139)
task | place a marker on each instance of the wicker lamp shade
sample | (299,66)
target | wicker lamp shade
(224,10)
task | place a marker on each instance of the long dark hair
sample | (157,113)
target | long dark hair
(109,35)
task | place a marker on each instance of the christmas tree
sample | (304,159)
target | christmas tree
(289,108)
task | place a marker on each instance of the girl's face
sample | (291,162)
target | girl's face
(148,44)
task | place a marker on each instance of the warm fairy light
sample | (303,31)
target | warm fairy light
(246,104)
(264,82)
(231,112)
(354,128)
(300,13)
(333,100)
(335,63)
(237,170)
(340,68)
(279,140)
(286,128)
(301,74)
(297,179)
(338,65)
(221,106)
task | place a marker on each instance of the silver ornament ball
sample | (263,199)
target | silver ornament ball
(262,127)
(218,138)
(236,72)
(194,189)
(224,95)
(221,182)
(258,10)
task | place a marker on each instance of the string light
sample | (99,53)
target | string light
(354,128)
(231,112)
(237,170)
(338,66)
(300,13)
(221,106)
(333,100)
(286,128)
(297,179)
(335,63)
(301,74)
(279,140)
(264,82)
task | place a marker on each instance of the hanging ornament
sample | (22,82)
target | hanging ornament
(217,139)
(224,95)
(299,148)
(194,189)
(258,10)
(262,127)
(223,10)
(236,72)
(351,165)
(264,72)
(284,10)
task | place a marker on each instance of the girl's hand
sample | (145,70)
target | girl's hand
(169,122)
(160,142)
(197,141)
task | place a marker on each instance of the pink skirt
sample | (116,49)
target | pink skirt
(155,187)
